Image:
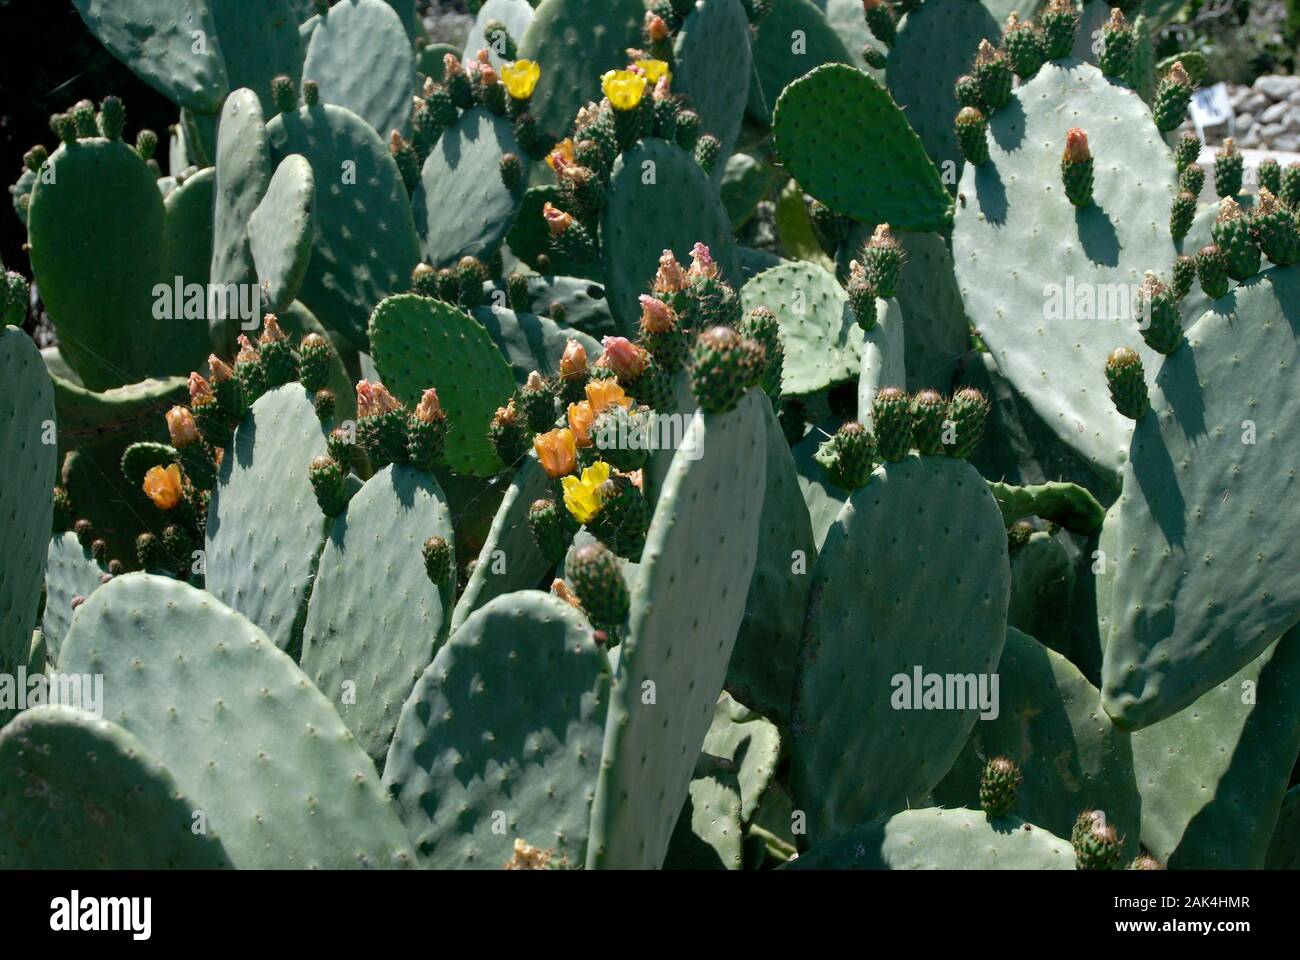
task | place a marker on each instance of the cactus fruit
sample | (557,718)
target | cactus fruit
(882,20)
(992,73)
(1232,234)
(1128,386)
(1273,227)
(719,372)
(847,456)
(1192,180)
(1077,168)
(1182,214)
(550,530)
(762,327)
(1097,844)
(1172,95)
(1182,274)
(998,783)
(1228,164)
(1186,152)
(968,92)
(891,416)
(882,261)
(330,485)
(1212,270)
(438,561)
(381,425)
(972,135)
(928,412)
(968,412)
(1161,326)
(426,432)
(1059,23)
(1117,42)
(1289,193)
(1145,861)
(597,580)
(1023,43)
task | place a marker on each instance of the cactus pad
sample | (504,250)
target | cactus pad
(713,69)
(281,229)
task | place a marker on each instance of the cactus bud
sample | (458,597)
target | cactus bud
(1077,168)
(310,93)
(1117,44)
(882,20)
(1059,22)
(146,142)
(1097,844)
(1144,861)
(181,427)
(64,127)
(549,531)
(998,783)
(1128,385)
(1024,47)
(761,326)
(315,356)
(891,418)
(438,562)
(112,117)
(283,95)
(882,259)
(992,74)
(329,482)
(35,158)
(708,150)
(1172,95)
(573,362)
(626,359)
(718,377)
(972,135)
(85,532)
(1232,234)
(148,551)
(598,582)
(1228,167)
(968,413)
(847,456)
(669,278)
(1182,274)
(507,435)
(1182,214)
(1273,227)
(1212,271)
(929,410)
(1018,535)
(83,117)
(968,92)
(324,402)
(64,516)
(1186,151)
(1162,322)
(862,296)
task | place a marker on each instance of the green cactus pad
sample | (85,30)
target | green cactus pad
(761,670)
(97,289)
(27,474)
(259,40)
(360,58)
(1066,504)
(585,305)
(823,344)
(746,182)
(679,209)
(709,834)
(1180,623)
(713,69)
(529,342)
(467,208)
(265,530)
(1213,776)
(922,525)
(840,134)
(280,231)
(845,17)
(374,617)
(504,730)
(237,722)
(1042,590)
(70,571)
(419,343)
(934,839)
(366,245)
(155,38)
(1029,262)
(776,62)
(184,343)
(823,499)
(515,15)
(510,559)
(83,794)
(96,429)
(1051,724)
(936,44)
(883,357)
(705,524)
(576,41)
(243,172)
(1284,848)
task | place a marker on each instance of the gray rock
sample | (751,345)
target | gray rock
(1276,112)
(1244,122)
(1288,142)
(1254,103)
(1277,88)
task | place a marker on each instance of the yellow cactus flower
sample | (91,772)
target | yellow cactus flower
(162,485)
(521,78)
(603,394)
(561,155)
(624,88)
(582,495)
(557,451)
(655,70)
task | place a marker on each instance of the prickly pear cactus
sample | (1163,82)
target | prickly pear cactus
(27,449)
